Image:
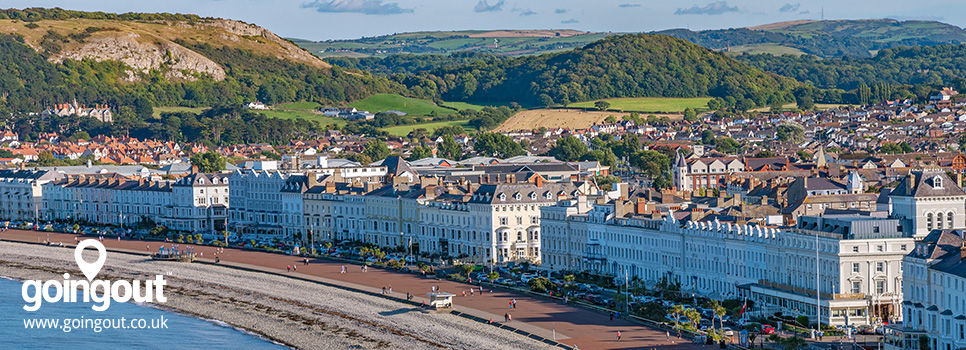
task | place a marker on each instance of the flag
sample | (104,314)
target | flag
(743,306)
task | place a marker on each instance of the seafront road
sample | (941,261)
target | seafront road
(587,329)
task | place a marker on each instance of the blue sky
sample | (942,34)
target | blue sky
(349,19)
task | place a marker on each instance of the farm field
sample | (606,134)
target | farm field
(389,102)
(562,118)
(650,104)
(403,130)
(298,114)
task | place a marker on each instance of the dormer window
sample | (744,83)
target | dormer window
(937,182)
(517,196)
(502,196)
(533,195)
(548,195)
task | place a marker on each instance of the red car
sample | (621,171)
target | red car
(766,329)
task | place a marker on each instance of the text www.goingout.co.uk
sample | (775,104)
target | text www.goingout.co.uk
(95,324)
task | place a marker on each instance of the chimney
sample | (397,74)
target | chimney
(431,192)
(194,169)
(313,179)
(962,252)
(538,181)
(910,183)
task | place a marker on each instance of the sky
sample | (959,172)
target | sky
(351,19)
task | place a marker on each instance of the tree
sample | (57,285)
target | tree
(651,162)
(208,162)
(601,105)
(497,145)
(143,107)
(492,276)
(714,104)
(890,148)
(905,147)
(694,316)
(419,152)
(707,137)
(376,150)
(677,311)
(690,115)
(449,149)
(568,149)
(805,103)
(540,284)
(610,119)
(465,269)
(726,145)
(764,154)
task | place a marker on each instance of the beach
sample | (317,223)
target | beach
(296,313)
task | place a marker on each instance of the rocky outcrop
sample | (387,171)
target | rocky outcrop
(290,51)
(144,54)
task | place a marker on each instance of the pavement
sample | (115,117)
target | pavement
(551,319)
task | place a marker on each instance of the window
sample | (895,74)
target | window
(503,220)
(855,249)
(939,221)
(879,248)
(856,287)
(929,221)
(879,287)
(855,267)
(879,267)
(949,220)
(902,247)
(519,236)
(875,229)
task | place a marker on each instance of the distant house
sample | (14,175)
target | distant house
(943,95)
(399,113)
(255,105)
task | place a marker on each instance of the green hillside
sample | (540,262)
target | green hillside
(831,38)
(501,42)
(631,65)
(387,102)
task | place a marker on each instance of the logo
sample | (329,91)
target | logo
(101,292)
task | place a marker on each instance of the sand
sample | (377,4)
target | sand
(296,313)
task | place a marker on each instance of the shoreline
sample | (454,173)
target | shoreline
(288,311)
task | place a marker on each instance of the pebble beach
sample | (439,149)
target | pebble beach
(299,314)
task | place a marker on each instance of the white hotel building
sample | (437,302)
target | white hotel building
(21,193)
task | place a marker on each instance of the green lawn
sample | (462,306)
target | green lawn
(387,102)
(294,114)
(403,130)
(308,106)
(650,104)
(158,110)
(769,48)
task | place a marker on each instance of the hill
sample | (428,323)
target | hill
(831,38)
(502,42)
(631,65)
(166,59)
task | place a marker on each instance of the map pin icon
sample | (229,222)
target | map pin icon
(90,270)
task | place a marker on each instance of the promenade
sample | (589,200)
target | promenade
(550,319)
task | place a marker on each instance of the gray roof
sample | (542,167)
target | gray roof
(922,183)
(29,174)
(490,194)
(209,180)
(947,249)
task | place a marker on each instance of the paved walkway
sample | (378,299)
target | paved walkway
(588,329)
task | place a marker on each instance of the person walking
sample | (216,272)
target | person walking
(390,289)
(305,261)
(383,290)
(618,335)
(506,317)
(667,335)
(295,267)
(611,316)
(288,268)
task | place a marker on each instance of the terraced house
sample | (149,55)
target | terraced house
(21,193)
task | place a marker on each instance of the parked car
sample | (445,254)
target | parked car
(767,329)
(727,331)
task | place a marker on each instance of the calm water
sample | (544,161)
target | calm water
(182,332)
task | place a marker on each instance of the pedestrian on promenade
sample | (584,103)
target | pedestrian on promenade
(611,316)
(509,317)
(432,288)
(514,303)
(119,238)
(390,289)
(383,290)
(288,268)
(146,246)
(481,289)
(511,304)
(471,291)
(667,335)
(343,268)
(618,335)
(306,261)
(506,317)
(464,293)
(294,267)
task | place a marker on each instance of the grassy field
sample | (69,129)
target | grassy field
(651,104)
(294,114)
(471,105)
(388,102)
(174,109)
(403,130)
(769,48)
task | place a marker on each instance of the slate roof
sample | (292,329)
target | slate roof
(924,185)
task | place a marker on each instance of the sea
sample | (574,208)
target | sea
(182,332)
